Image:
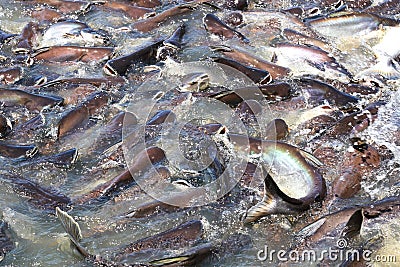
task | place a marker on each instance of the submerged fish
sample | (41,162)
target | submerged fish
(6,242)
(178,237)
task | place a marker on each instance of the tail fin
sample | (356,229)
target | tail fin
(72,228)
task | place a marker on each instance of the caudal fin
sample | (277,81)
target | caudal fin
(73,230)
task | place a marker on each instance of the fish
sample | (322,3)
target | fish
(319,92)
(276,91)
(172,44)
(246,58)
(76,117)
(385,53)
(96,81)
(137,167)
(120,65)
(45,14)
(149,24)
(299,57)
(63,159)
(73,53)
(214,25)
(359,160)
(7,244)
(283,166)
(10,75)
(71,32)
(17,151)
(5,126)
(191,257)
(132,11)
(258,76)
(347,222)
(40,198)
(349,24)
(27,39)
(147,3)
(180,236)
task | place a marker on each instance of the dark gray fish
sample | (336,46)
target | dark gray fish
(214,25)
(63,159)
(78,116)
(5,126)
(256,75)
(39,197)
(27,39)
(119,65)
(191,257)
(172,44)
(17,151)
(161,117)
(6,242)
(319,92)
(183,235)
(12,97)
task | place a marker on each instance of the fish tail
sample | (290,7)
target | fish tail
(73,230)
(263,208)
(383,69)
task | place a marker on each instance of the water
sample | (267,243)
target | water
(39,237)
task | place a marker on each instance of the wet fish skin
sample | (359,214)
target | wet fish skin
(120,65)
(17,151)
(320,92)
(133,11)
(214,25)
(149,24)
(39,197)
(10,75)
(73,53)
(76,117)
(172,44)
(140,163)
(5,126)
(246,58)
(28,38)
(192,257)
(256,75)
(180,236)
(276,91)
(350,24)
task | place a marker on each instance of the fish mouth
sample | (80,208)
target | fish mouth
(109,70)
